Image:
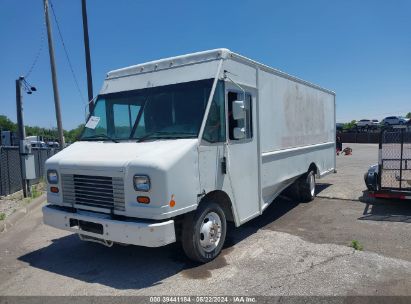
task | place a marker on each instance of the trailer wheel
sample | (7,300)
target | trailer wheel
(307,187)
(204,232)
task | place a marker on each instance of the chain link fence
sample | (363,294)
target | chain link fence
(360,138)
(10,167)
(396,159)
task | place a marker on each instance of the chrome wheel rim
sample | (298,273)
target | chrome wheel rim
(312,184)
(210,232)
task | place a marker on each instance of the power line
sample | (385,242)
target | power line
(66,52)
(36,58)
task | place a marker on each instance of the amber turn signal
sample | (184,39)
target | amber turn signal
(54,189)
(143,199)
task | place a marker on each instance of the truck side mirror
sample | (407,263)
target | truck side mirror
(239,133)
(238,109)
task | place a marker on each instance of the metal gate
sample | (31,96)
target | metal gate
(395,159)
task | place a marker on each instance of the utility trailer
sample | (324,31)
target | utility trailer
(176,148)
(391,177)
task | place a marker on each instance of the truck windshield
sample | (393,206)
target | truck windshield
(172,111)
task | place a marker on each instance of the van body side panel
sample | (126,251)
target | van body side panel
(283,167)
(298,114)
(297,126)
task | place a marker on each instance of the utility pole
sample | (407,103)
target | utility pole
(87,51)
(21,129)
(27,163)
(54,75)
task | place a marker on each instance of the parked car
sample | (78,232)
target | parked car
(375,123)
(363,123)
(38,144)
(394,120)
(53,144)
(367,123)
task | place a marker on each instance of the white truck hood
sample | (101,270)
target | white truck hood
(103,156)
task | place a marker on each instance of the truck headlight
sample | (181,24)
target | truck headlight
(141,183)
(52,177)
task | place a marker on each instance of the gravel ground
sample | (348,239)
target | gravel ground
(290,250)
(348,183)
(9,204)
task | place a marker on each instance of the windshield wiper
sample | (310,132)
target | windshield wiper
(167,135)
(100,136)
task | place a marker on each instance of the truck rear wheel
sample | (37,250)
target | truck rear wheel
(306,187)
(204,232)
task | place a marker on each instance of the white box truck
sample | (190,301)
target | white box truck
(176,148)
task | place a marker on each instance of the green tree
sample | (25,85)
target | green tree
(349,125)
(408,115)
(52,134)
(6,124)
(74,134)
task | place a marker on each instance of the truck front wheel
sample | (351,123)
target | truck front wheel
(204,232)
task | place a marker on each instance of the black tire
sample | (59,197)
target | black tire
(191,235)
(371,183)
(306,187)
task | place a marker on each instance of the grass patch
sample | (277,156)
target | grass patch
(35,192)
(356,245)
(2,216)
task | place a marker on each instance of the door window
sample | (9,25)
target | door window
(245,123)
(214,130)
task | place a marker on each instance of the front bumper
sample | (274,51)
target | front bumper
(101,226)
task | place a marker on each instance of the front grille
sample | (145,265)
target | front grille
(93,191)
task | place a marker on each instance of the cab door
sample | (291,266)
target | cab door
(212,170)
(242,152)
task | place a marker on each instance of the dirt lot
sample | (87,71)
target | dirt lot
(293,249)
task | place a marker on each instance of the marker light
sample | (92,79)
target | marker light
(143,199)
(172,201)
(54,189)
